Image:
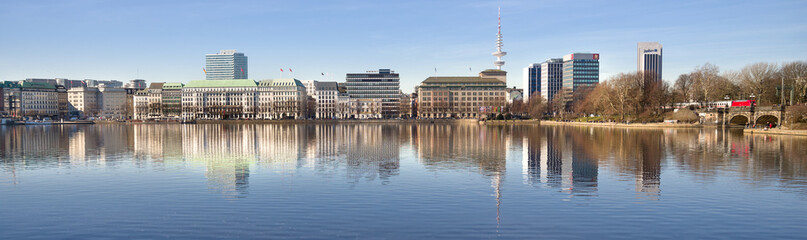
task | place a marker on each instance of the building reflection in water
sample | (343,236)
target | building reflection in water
(561,159)
(565,158)
(465,146)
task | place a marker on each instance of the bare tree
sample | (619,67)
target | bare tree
(623,92)
(537,106)
(759,79)
(559,102)
(795,75)
(683,88)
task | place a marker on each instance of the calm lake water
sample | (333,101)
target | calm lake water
(398,181)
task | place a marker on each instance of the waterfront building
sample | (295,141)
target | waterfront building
(140,101)
(111,102)
(551,78)
(219,99)
(38,99)
(406,106)
(343,105)
(62,104)
(310,86)
(171,100)
(532,80)
(155,100)
(83,101)
(226,65)
(376,94)
(466,96)
(283,98)
(648,58)
(11,98)
(462,97)
(580,70)
(325,95)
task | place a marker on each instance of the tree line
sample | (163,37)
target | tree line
(640,96)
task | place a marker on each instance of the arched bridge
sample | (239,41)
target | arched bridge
(753,115)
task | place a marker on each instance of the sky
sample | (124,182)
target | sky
(166,41)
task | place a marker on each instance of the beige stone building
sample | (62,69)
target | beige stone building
(111,102)
(83,101)
(463,97)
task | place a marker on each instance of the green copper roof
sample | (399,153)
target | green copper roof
(280,82)
(37,85)
(173,85)
(9,84)
(221,83)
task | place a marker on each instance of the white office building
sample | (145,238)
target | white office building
(648,58)
(226,65)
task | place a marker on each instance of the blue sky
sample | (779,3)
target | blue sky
(167,40)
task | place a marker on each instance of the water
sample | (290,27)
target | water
(212,181)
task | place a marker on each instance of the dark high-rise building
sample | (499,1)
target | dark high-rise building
(376,93)
(532,80)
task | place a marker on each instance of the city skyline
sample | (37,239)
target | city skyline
(91,40)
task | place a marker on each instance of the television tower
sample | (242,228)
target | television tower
(498,53)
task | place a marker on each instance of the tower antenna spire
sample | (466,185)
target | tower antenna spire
(498,53)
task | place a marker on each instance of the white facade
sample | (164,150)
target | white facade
(84,100)
(38,102)
(282,99)
(648,58)
(227,64)
(141,105)
(310,86)
(244,99)
(326,94)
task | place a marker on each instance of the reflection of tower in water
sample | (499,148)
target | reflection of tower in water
(559,158)
(228,176)
(648,178)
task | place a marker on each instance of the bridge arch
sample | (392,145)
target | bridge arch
(766,119)
(741,120)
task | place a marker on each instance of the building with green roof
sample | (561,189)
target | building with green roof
(219,99)
(243,99)
(38,100)
(172,99)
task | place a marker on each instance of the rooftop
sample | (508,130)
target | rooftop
(280,82)
(443,80)
(37,85)
(156,85)
(221,83)
(173,85)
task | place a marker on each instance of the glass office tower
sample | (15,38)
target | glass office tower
(227,64)
(581,70)
(382,86)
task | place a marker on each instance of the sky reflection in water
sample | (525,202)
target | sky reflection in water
(398,181)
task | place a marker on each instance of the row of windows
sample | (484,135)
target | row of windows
(426,99)
(441,93)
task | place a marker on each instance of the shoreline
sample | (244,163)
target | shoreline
(775,131)
(626,125)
